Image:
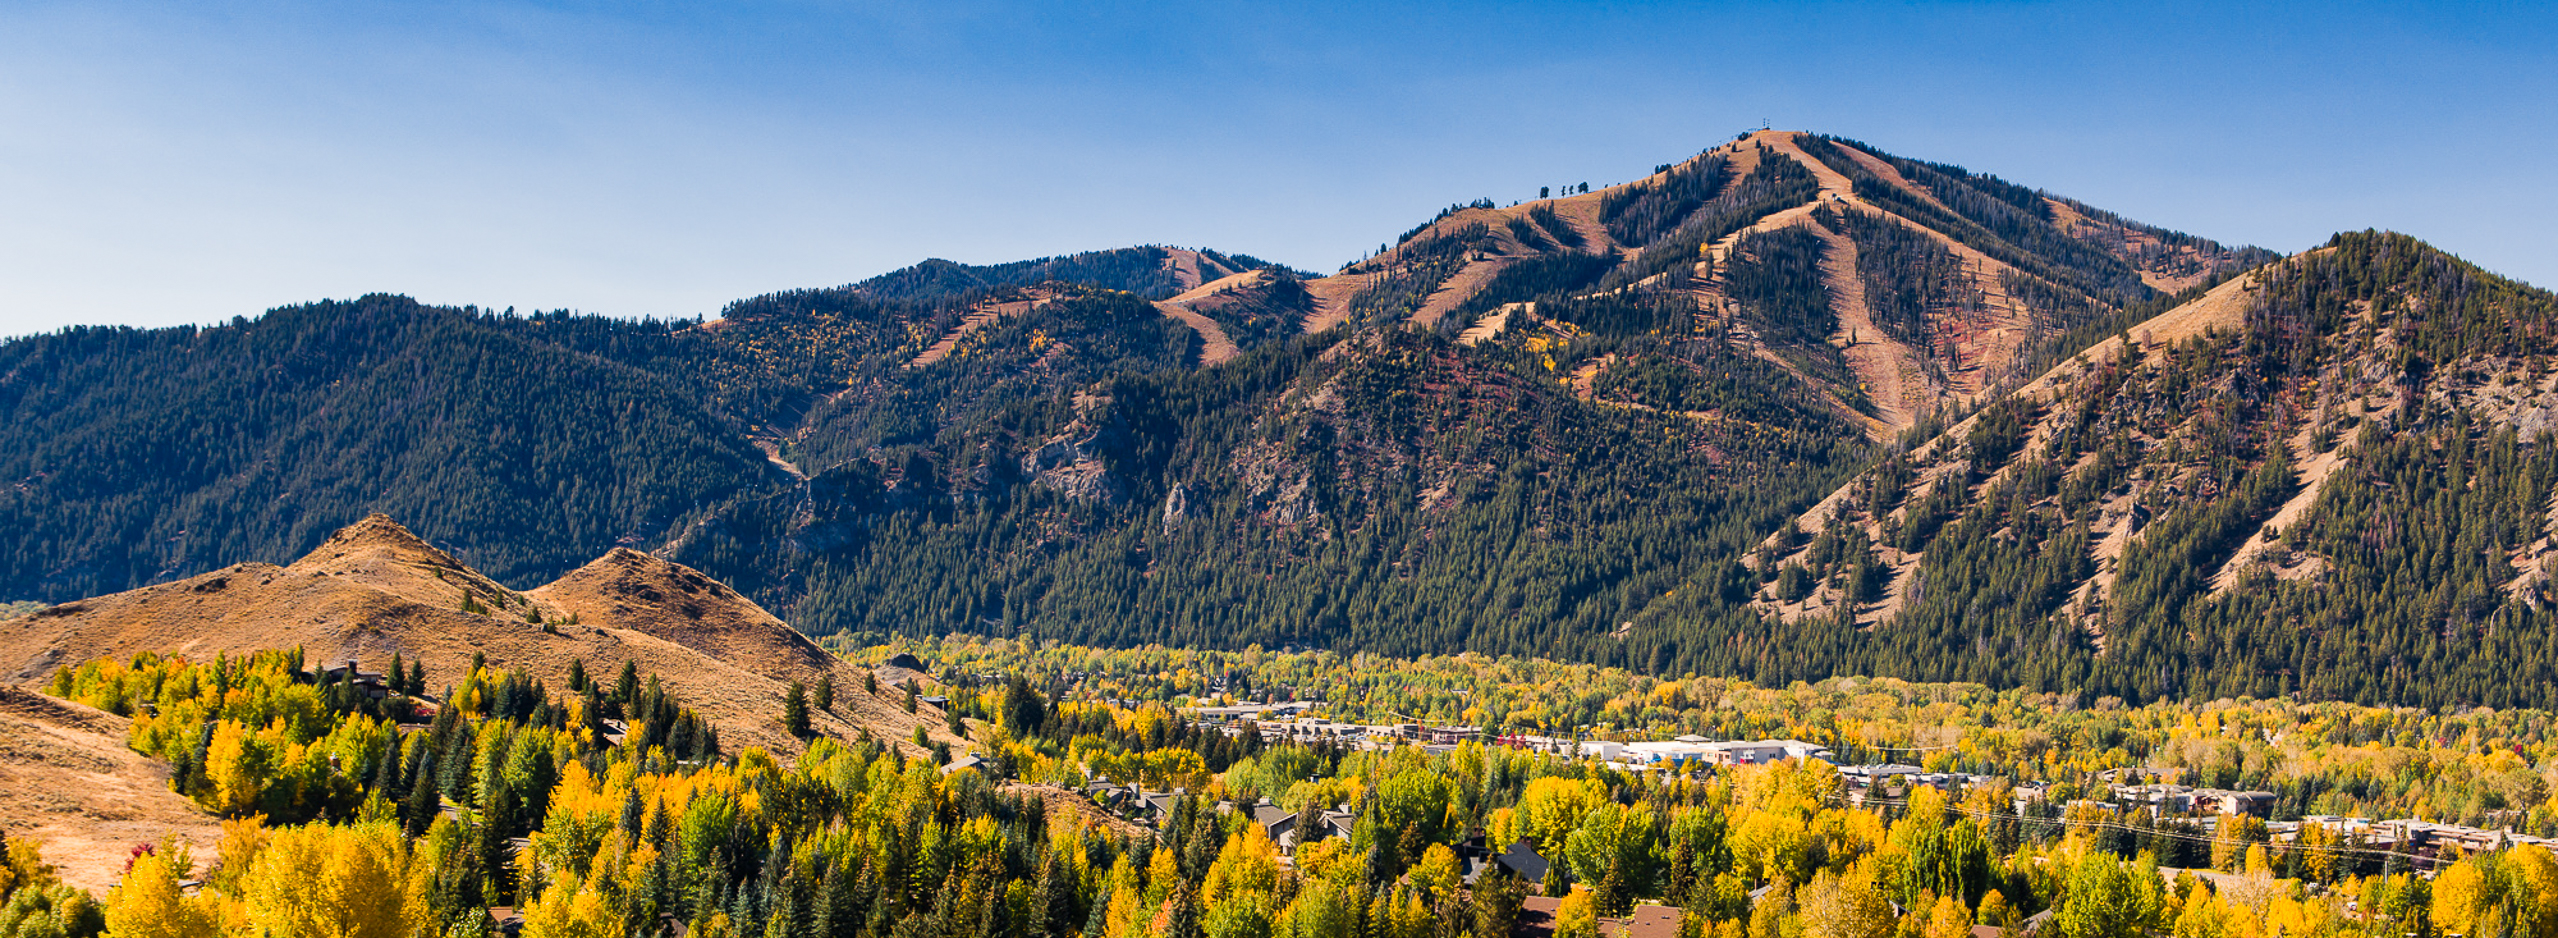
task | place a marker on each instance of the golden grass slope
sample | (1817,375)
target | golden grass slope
(68,781)
(374,590)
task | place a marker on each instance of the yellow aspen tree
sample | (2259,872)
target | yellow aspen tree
(2459,894)
(1438,874)
(2536,869)
(1578,917)
(334,882)
(237,767)
(1248,864)
(1162,873)
(571,909)
(2202,917)
(1949,919)
(148,904)
(243,839)
(1129,912)
(22,867)
(1845,906)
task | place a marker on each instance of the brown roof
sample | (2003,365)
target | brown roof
(1536,920)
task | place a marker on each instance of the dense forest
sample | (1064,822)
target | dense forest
(519,801)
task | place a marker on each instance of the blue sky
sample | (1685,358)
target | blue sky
(190,162)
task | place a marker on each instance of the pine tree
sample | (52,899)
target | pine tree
(795,710)
(1183,922)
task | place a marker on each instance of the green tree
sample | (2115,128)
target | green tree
(795,711)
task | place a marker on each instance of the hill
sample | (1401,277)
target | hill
(374,590)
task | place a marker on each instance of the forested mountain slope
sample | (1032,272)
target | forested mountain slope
(1152,271)
(134,456)
(2332,476)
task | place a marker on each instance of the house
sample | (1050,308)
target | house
(371,684)
(1337,822)
(1523,861)
(1280,823)
(1155,807)
(1888,781)
(1111,798)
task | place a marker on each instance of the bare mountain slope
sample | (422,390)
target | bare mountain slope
(1934,282)
(633,591)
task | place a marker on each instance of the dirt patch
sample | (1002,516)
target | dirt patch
(1492,323)
(1887,369)
(1332,299)
(1214,345)
(1458,288)
(2264,551)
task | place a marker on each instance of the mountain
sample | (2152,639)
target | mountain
(374,590)
(1700,421)
(1900,287)
(2332,476)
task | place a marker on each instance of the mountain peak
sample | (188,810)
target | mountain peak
(385,555)
(378,531)
(642,592)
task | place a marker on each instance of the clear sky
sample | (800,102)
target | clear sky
(190,162)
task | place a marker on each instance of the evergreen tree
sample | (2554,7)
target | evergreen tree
(795,711)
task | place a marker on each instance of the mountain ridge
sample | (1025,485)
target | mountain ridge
(1586,427)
